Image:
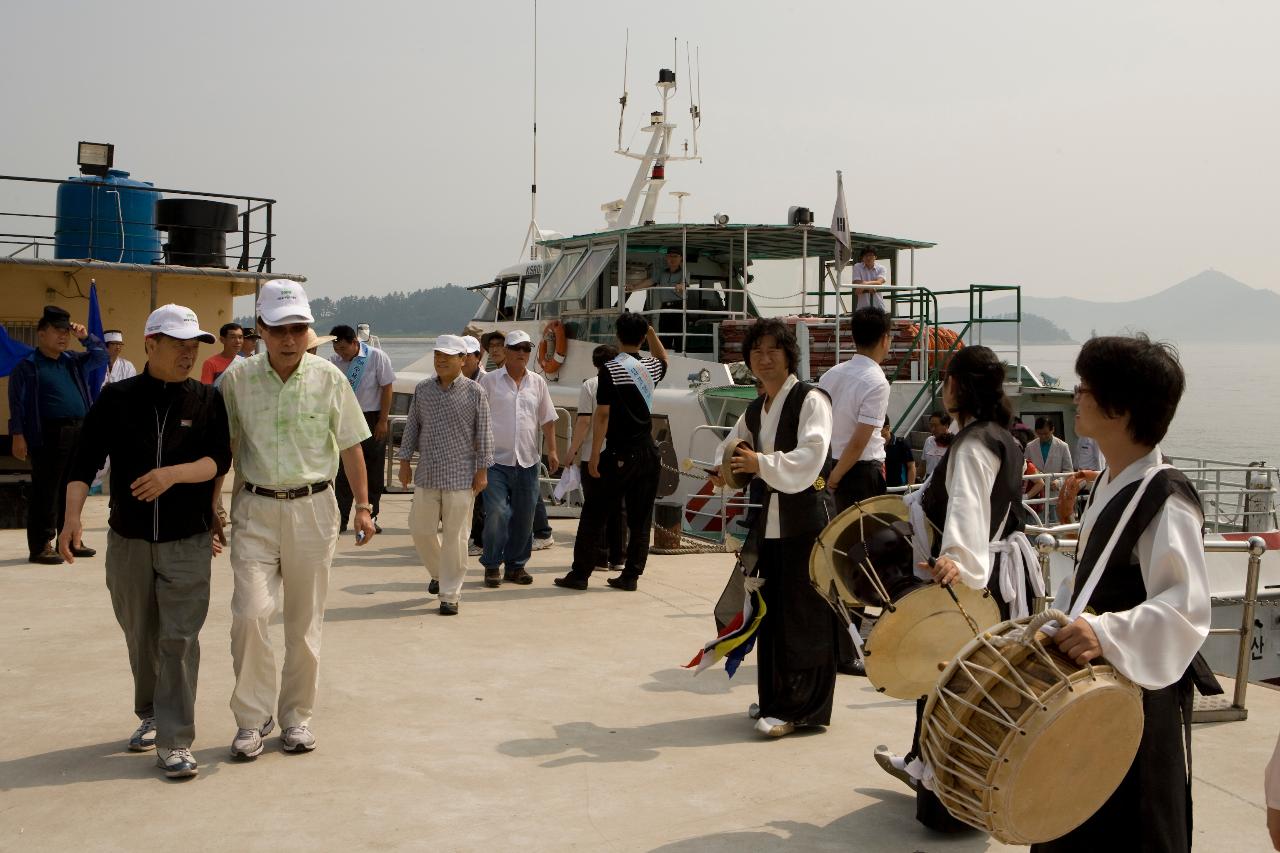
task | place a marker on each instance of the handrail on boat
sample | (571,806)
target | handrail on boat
(1049,540)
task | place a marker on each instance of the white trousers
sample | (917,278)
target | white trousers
(440,522)
(279,544)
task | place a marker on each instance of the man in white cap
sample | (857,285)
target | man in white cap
(448,427)
(291,414)
(168,439)
(366,337)
(117,367)
(520,405)
(472,360)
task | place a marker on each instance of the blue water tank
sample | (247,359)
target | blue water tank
(115,222)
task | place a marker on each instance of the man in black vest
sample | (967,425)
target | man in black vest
(629,468)
(1148,606)
(789,428)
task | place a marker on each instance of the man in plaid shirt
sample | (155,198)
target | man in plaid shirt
(449,429)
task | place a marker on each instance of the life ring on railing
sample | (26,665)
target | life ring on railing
(552,359)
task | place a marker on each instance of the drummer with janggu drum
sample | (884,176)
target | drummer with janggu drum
(783,439)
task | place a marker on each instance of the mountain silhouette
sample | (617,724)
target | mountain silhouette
(1210,306)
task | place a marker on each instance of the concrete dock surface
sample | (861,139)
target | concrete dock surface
(537,719)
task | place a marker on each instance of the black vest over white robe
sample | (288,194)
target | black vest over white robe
(1151,810)
(796,643)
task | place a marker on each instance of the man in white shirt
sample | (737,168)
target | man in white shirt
(520,406)
(859,393)
(870,275)
(118,367)
(369,371)
(1088,456)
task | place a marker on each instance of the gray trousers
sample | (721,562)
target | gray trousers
(160,593)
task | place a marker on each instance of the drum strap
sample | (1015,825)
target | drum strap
(1096,570)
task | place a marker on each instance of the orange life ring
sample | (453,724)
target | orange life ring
(1070,491)
(550,360)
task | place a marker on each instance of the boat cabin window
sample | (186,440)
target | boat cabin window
(553,281)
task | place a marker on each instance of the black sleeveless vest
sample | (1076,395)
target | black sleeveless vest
(806,512)
(1121,586)
(1006,495)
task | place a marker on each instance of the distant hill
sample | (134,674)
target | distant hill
(432,311)
(1035,330)
(1210,306)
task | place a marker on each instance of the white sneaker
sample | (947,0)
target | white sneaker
(176,763)
(773,727)
(543,544)
(474,550)
(248,742)
(297,739)
(143,737)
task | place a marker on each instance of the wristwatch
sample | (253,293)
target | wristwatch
(366,507)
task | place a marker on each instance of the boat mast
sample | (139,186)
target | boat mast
(532,234)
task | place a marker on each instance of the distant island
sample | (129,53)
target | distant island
(1208,307)
(1035,330)
(432,311)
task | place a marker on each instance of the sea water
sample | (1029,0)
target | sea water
(1230,411)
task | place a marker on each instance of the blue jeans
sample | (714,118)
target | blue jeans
(508,524)
(541,526)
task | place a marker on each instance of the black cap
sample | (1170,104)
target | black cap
(251,334)
(56,317)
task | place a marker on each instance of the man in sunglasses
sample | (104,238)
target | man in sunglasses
(292,415)
(520,405)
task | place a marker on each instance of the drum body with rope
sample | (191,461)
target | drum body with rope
(864,558)
(550,358)
(1014,726)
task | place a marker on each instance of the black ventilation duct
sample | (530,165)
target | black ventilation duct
(197,231)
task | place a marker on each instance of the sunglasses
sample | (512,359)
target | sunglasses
(521,348)
(297,330)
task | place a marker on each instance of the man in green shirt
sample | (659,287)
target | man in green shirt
(291,415)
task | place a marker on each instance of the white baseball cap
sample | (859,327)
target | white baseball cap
(451,345)
(281,301)
(518,336)
(177,321)
(472,342)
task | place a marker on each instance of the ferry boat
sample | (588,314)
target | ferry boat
(567,294)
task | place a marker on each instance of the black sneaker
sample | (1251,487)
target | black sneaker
(448,608)
(493,577)
(433,588)
(571,581)
(624,582)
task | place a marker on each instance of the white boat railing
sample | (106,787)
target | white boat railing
(1051,540)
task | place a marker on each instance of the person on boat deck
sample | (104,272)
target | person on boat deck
(870,274)
(935,446)
(1049,453)
(789,427)
(974,498)
(1149,611)
(667,289)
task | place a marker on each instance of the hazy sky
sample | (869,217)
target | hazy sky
(1099,149)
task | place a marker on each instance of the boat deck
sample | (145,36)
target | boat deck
(539,719)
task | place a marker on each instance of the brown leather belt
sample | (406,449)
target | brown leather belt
(287,494)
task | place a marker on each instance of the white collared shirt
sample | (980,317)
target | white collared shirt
(861,272)
(517,414)
(1153,643)
(797,469)
(859,395)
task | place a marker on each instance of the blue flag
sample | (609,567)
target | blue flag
(96,377)
(11,352)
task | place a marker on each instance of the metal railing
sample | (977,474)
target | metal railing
(1048,541)
(725,501)
(254,252)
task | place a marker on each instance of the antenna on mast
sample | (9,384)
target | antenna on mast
(626,50)
(531,236)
